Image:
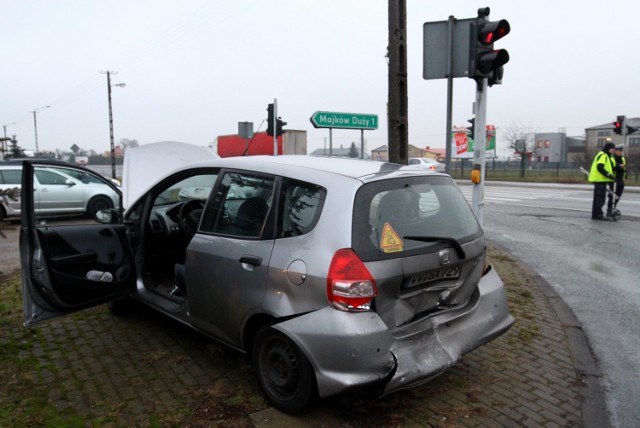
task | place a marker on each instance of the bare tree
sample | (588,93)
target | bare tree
(633,164)
(520,139)
(126,143)
(585,158)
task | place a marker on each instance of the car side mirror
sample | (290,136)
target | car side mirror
(108,216)
(70,183)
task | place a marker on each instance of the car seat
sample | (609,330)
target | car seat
(251,215)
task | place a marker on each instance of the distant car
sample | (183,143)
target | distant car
(57,189)
(427,163)
(330,274)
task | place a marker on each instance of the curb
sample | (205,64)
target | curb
(594,408)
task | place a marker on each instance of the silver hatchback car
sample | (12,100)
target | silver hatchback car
(330,274)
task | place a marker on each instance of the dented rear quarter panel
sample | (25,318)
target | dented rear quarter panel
(349,350)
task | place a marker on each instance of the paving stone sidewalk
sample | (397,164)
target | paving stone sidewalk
(94,368)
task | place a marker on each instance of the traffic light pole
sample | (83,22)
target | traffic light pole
(624,133)
(479,138)
(450,29)
(275,120)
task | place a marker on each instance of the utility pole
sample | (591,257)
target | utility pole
(112,143)
(113,148)
(35,123)
(397,105)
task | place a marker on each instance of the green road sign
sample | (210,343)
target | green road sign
(328,119)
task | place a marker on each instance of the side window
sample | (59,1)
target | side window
(414,162)
(240,206)
(79,175)
(48,177)
(301,207)
(11,176)
(194,187)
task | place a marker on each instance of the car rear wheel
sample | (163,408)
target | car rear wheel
(285,374)
(98,203)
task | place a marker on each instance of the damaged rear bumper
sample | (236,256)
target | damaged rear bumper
(349,350)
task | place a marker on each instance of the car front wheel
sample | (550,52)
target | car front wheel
(284,373)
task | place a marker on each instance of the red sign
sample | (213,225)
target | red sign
(260,144)
(462,142)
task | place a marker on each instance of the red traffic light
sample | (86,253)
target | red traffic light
(617,127)
(491,31)
(618,124)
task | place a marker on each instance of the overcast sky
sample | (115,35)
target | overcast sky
(194,68)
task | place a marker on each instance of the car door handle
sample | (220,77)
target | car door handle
(251,260)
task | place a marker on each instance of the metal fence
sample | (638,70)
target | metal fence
(561,172)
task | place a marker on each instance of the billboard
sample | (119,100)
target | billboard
(462,146)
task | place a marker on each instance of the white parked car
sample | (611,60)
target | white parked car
(427,163)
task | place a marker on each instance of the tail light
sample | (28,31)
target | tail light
(432,167)
(350,286)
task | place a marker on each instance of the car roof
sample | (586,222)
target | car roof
(295,165)
(176,158)
(19,161)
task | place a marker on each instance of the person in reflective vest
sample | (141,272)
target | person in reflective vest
(601,175)
(620,172)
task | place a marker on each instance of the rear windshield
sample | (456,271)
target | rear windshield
(388,212)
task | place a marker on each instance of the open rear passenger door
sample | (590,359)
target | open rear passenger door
(72,262)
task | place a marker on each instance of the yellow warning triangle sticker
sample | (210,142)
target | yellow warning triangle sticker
(390,241)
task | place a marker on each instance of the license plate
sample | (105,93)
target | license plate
(451,272)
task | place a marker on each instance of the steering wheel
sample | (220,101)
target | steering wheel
(189,218)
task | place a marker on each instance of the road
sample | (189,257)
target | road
(591,264)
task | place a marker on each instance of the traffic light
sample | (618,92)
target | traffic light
(270,130)
(484,61)
(279,125)
(472,121)
(618,124)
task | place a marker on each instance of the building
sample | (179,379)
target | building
(437,154)
(549,147)
(382,153)
(556,147)
(340,152)
(118,152)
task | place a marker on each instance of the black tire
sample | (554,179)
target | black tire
(98,203)
(284,373)
(2,213)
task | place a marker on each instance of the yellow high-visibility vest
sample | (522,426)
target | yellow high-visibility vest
(594,175)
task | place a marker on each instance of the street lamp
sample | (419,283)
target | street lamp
(113,148)
(4,141)
(5,128)
(35,123)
